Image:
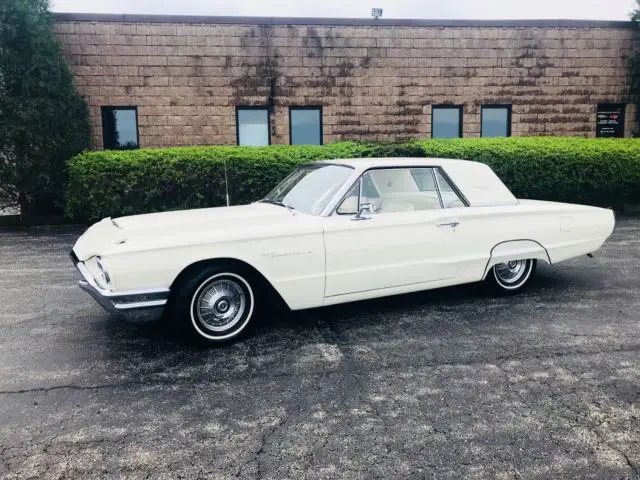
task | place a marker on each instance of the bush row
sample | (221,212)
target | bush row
(604,172)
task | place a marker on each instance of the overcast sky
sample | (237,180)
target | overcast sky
(482,9)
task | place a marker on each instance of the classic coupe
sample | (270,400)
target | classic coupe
(333,231)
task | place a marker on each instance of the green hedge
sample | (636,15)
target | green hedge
(603,172)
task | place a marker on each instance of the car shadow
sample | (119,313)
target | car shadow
(152,329)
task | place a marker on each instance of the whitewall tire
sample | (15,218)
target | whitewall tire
(511,277)
(215,305)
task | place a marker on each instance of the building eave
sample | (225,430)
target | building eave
(356,22)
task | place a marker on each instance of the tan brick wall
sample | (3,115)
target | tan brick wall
(374,82)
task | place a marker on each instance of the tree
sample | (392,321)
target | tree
(634,64)
(43,120)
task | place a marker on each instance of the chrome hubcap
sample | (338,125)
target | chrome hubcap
(511,272)
(220,305)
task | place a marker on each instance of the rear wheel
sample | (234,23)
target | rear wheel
(511,277)
(215,305)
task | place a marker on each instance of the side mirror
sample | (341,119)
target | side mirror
(363,213)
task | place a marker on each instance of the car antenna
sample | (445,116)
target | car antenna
(226,182)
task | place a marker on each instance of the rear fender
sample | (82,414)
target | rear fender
(516,250)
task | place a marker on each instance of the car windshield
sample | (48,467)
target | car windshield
(309,188)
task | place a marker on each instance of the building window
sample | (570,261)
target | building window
(446,121)
(120,128)
(252,124)
(610,120)
(495,121)
(305,125)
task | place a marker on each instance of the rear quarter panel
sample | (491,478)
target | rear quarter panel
(564,230)
(582,229)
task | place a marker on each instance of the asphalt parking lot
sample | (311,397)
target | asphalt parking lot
(446,384)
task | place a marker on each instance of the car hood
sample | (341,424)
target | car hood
(155,230)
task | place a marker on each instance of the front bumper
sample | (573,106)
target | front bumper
(119,302)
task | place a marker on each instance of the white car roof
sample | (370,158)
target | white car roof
(477,182)
(373,162)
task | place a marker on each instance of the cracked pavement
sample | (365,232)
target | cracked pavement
(444,384)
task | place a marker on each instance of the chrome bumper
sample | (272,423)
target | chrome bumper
(119,302)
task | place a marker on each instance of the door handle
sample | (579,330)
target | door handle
(453,224)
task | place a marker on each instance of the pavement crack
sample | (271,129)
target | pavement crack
(70,387)
(634,468)
(348,367)
(576,420)
(261,447)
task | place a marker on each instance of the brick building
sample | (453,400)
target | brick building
(166,80)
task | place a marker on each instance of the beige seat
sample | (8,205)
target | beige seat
(407,202)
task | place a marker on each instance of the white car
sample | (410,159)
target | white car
(333,231)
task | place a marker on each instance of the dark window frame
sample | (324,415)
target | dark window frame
(460,109)
(306,107)
(253,107)
(110,108)
(508,107)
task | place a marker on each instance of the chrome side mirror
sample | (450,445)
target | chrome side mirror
(363,213)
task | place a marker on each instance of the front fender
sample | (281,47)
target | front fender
(293,265)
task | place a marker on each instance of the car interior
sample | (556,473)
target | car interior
(400,190)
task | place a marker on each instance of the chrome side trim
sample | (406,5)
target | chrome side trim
(119,302)
(140,305)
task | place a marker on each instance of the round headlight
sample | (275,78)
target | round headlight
(103,272)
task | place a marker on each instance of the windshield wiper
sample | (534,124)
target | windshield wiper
(280,204)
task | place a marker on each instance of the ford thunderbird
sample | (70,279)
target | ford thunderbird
(331,232)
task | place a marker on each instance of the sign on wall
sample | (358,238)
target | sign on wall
(610,120)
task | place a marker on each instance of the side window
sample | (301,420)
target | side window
(450,198)
(424,179)
(357,198)
(404,189)
(349,205)
(391,190)
(369,191)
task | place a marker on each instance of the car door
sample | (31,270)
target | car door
(405,238)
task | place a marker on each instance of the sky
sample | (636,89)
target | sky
(433,9)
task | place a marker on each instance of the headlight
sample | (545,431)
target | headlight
(103,272)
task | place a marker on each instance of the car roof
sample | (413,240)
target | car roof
(476,181)
(372,162)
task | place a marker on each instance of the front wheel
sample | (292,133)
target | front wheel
(215,306)
(511,277)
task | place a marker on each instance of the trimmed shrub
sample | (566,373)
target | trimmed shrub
(601,172)
(604,172)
